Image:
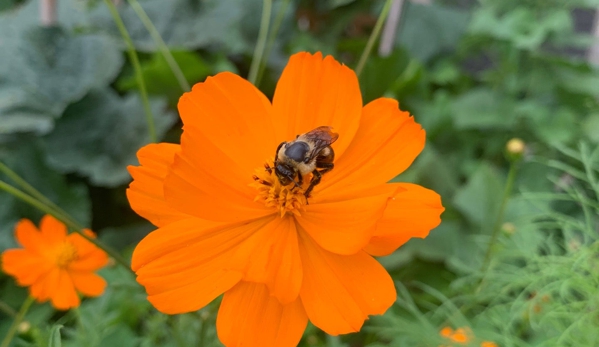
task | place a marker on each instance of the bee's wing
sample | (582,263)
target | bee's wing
(322,134)
(320,138)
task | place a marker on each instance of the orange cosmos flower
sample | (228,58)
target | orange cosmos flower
(462,336)
(54,265)
(279,258)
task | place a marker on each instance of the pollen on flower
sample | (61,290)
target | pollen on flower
(65,254)
(285,199)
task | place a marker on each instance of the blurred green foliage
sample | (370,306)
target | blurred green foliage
(474,74)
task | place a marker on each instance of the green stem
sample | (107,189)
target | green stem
(15,323)
(203,333)
(170,60)
(136,66)
(271,38)
(373,37)
(68,221)
(30,189)
(511,177)
(262,36)
(7,309)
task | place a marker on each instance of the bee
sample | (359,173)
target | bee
(308,153)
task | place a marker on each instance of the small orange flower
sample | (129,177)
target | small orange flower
(227,225)
(55,265)
(462,336)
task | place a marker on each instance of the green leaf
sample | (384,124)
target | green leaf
(189,24)
(428,30)
(382,73)
(100,135)
(580,79)
(560,126)
(441,243)
(482,108)
(591,127)
(522,26)
(480,197)
(433,170)
(26,158)
(54,340)
(333,4)
(46,69)
(7,4)
(160,79)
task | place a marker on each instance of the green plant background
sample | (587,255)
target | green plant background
(474,73)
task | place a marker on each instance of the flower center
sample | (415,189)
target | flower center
(286,199)
(65,254)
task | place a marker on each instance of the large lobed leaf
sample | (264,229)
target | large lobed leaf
(99,136)
(45,69)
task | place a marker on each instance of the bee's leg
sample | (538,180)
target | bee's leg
(299,182)
(317,176)
(326,167)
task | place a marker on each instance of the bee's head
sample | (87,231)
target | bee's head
(285,173)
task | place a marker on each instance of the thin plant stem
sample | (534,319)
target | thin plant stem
(69,222)
(137,67)
(271,38)
(15,323)
(170,60)
(262,36)
(29,188)
(9,311)
(511,177)
(373,37)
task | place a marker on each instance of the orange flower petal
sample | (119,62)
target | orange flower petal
(183,265)
(461,335)
(88,283)
(249,316)
(488,344)
(89,257)
(43,288)
(233,115)
(271,256)
(146,192)
(412,212)
(27,267)
(345,227)
(446,332)
(387,142)
(52,230)
(63,295)
(170,239)
(339,292)
(28,236)
(312,92)
(207,184)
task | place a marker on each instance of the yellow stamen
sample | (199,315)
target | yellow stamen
(285,199)
(65,254)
